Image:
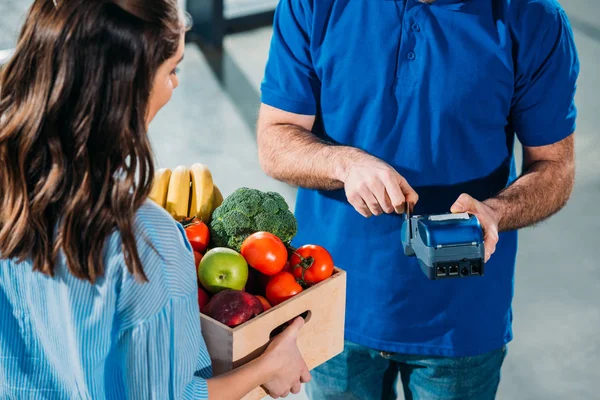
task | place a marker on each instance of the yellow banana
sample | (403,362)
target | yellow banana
(158,194)
(178,196)
(217,198)
(202,192)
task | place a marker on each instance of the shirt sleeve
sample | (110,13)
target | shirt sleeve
(546,70)
(165,357)
(290,81)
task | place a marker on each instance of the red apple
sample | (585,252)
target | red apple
(203,299)
(233,307)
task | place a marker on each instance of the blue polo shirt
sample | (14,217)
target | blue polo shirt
(439,92)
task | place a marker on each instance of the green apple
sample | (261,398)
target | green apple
(221,269)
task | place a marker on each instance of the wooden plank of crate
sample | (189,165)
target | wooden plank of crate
(320,339)
(219,340)
(251,336)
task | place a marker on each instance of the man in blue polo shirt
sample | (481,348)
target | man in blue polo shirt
(372,104)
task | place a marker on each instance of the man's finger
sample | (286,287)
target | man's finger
(464,203)
(384,200)
(363,209)
(377,188)
(489,253)
(490,240)
(395,194)
(371,202)
(409,193)
(359,205)
(489,250)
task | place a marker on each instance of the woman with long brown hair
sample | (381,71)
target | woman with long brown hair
(97,289)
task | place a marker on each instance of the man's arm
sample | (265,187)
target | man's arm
(542,190)
(290,152)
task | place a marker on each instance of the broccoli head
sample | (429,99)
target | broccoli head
(247,211)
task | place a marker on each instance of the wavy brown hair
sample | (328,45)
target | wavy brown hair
(75,159)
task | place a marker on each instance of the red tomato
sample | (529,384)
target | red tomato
(265,303)
(197,258)
(282,287)
(312,264)
(265,252)
(199,235)
(202,298)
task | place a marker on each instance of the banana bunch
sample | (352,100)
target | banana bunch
(186,193)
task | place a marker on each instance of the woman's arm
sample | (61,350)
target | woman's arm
(157,363)
(237,383)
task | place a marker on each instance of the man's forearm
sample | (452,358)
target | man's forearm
(291,154)
(542,190)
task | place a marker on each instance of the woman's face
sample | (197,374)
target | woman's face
(165,82)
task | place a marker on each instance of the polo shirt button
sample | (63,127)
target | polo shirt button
(415,27)
(411,55)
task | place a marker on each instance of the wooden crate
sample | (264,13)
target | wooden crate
(321,338)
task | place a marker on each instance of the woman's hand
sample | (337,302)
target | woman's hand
(283,356)
(281,370)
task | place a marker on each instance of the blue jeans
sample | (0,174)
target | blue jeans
(360,373)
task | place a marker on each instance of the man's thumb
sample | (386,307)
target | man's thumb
(463,204)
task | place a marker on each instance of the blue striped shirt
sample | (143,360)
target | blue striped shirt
(64,338)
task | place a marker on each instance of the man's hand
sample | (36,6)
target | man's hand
(488,219)
(288,151)
(373,187)
(541,191)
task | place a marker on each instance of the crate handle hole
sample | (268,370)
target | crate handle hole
(305,315)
